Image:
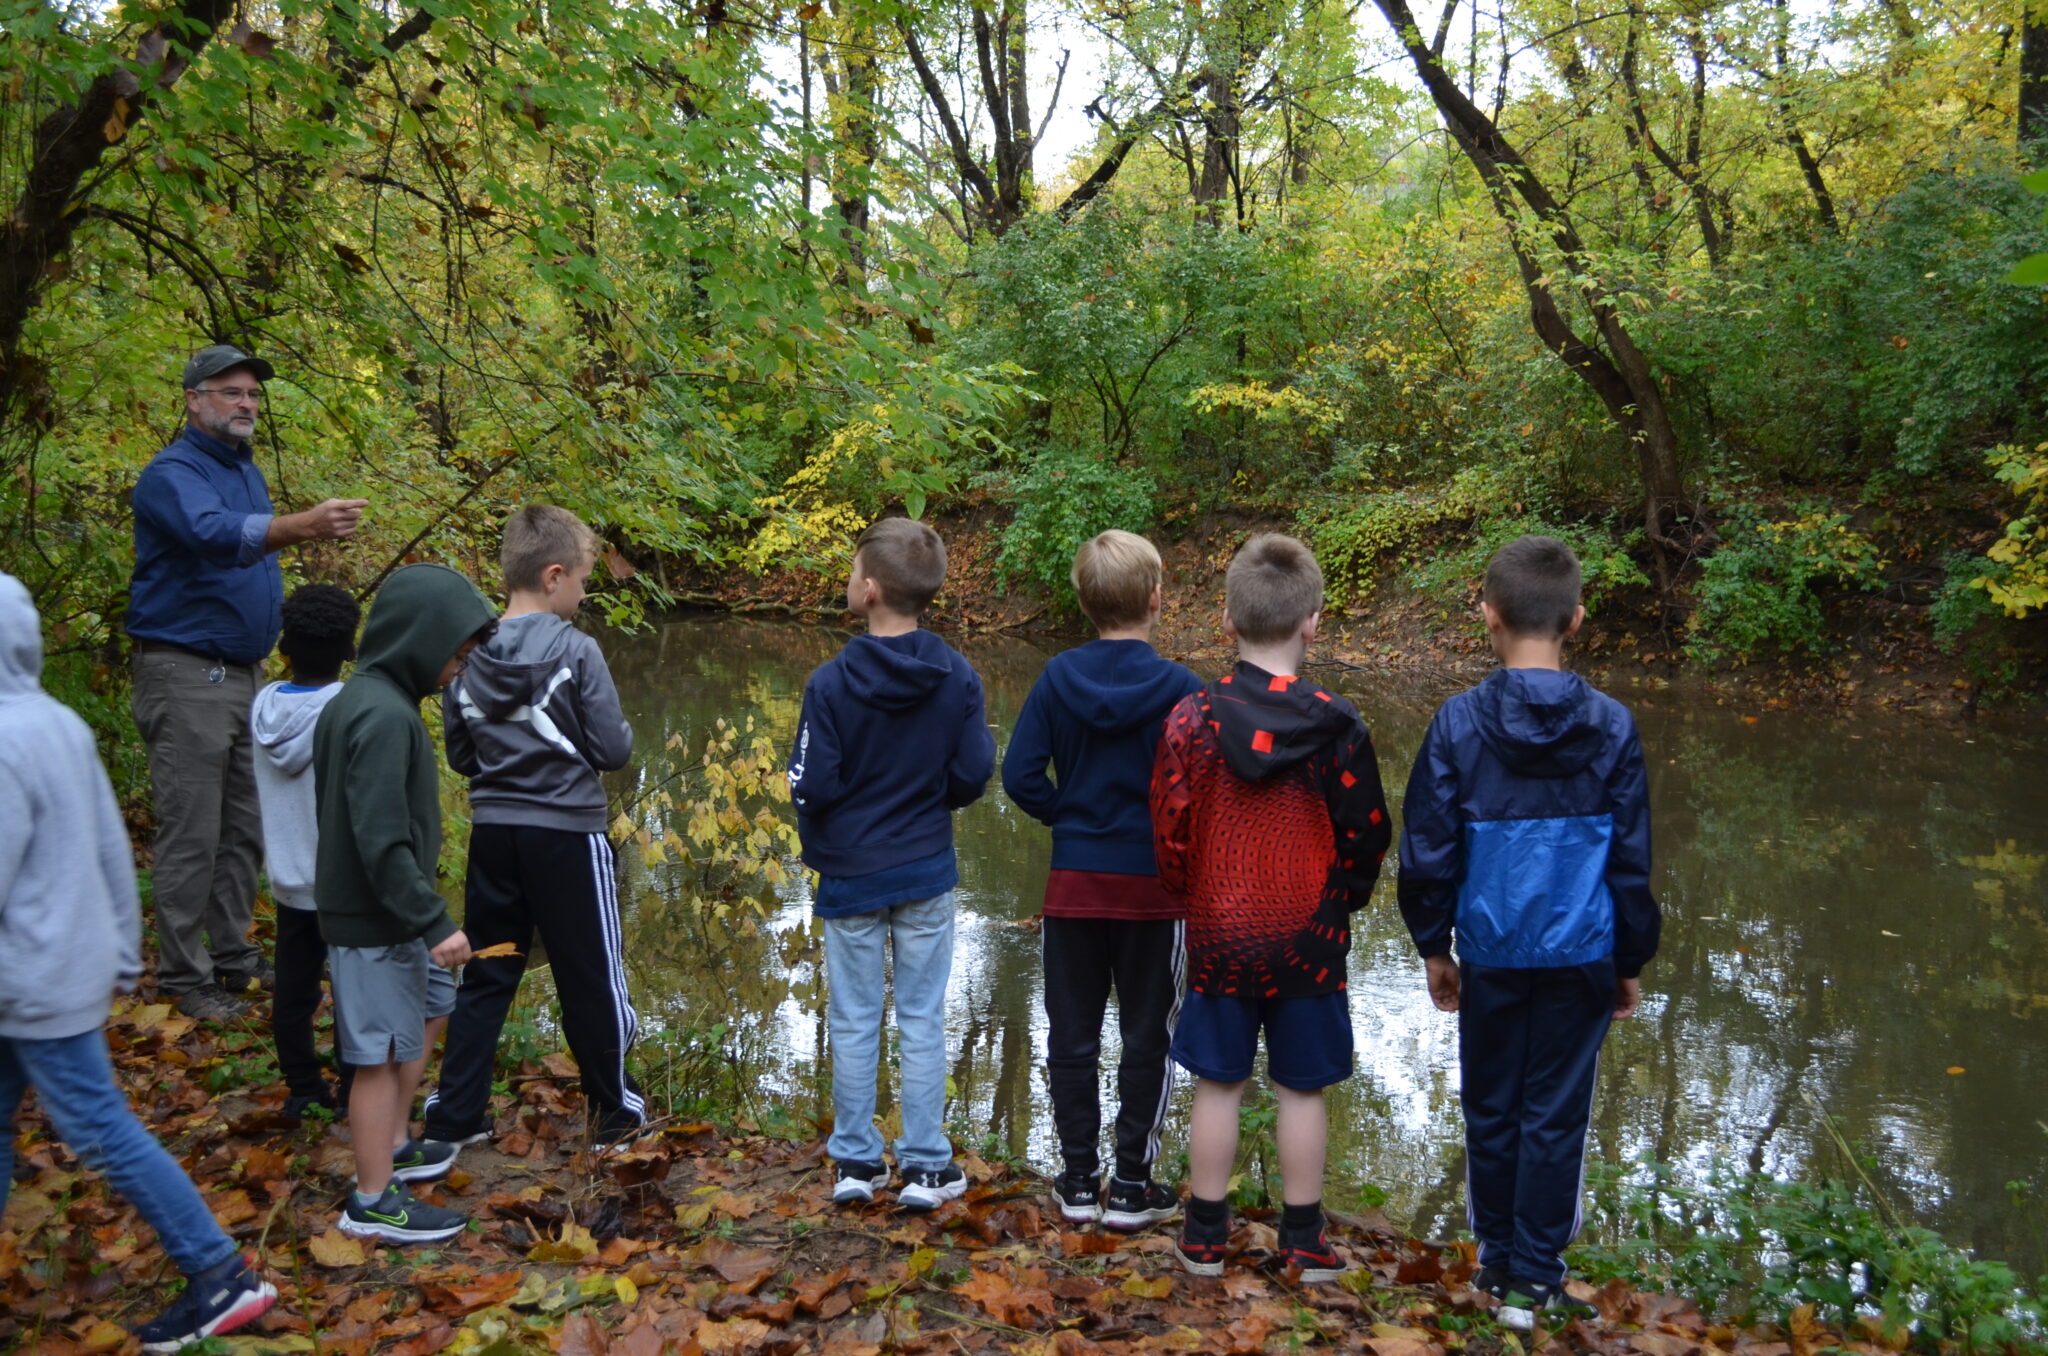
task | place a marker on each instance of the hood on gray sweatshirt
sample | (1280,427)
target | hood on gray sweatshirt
(282,723)
(70,923)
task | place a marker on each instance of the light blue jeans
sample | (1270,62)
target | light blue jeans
(921,935)
(75,1080)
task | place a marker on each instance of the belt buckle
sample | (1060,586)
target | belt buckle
(218,673)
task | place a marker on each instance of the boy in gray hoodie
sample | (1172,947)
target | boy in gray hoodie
(70,939)
(532,721)
(319,637)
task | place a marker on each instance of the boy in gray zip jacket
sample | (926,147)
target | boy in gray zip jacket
(70,939)
(532,722)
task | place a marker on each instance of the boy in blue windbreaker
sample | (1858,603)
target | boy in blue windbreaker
(891,741)
(1527,842)
(1093,718)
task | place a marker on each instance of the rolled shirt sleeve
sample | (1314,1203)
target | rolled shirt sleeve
(255,538)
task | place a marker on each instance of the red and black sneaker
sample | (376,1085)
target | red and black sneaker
(1201,1251)
(1310,1261)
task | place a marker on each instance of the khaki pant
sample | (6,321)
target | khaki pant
(209,839)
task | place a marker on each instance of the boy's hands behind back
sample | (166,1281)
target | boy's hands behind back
(452,951)
(1628,996)
(1443,982)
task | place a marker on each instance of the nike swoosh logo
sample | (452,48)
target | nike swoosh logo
(401,1220)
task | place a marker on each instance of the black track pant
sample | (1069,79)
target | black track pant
(1528,1051)
(559,883)
(1145,962)
(301,961)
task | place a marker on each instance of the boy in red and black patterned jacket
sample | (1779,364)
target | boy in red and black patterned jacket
(1269,821)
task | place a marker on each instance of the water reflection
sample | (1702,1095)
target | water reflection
(1854,908)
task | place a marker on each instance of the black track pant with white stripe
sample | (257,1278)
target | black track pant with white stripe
(1529,1055)
(1145,962)
(521,880)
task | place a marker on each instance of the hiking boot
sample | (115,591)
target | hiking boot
(213,1302)
(1525,1304)
(262,975)
(1201,1251)
(926,1189)
(857,1182)
(399,1217)
(1079,1197)
(423,1160)
(1133,1205)
(1318,1262)
(211,1003)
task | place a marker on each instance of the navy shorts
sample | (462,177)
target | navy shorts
(1308,1040)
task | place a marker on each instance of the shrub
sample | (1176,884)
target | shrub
(1757,588)
(1062,498)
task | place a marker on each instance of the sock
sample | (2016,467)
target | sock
(1208,1217)
(1301,1221)
(367,1199)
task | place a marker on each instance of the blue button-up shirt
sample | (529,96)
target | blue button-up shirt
(203,579)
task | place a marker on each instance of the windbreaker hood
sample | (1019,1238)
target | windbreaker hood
(1115,685)
(1540,722)
(898,672)
(1266,724)
(21,641)
(283,726)
(419,618)
(516,664)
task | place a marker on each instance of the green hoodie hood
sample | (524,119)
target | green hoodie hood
(419,619)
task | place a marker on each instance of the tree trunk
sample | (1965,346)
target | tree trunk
(1621,375)
(2033,114)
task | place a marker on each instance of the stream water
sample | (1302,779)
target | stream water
(1854,932)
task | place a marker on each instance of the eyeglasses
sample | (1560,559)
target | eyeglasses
(234,395)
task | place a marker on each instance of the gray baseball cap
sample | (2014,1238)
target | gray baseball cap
(211,362)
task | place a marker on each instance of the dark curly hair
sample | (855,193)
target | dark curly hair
(320,623)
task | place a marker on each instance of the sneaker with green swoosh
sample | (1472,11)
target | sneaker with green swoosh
(400,1217)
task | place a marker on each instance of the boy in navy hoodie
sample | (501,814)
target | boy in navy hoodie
(1268,820)
(1526,839)
(1094,718)
(891,741)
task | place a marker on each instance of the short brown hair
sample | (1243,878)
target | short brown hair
(1113,576)
(1533,583)
(1274,585)
(906,558)
(541,535)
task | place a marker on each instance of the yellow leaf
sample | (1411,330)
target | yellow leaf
(923,1260)
(628,1292)
(116,125)
(572,1244)
(1157,1287)
(335,1249)
(495,951)
(105,1336)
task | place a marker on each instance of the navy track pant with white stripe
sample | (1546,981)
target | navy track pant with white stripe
(1145,961)
(522,880)
(1529,1051)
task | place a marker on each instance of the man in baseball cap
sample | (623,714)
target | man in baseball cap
(204,608)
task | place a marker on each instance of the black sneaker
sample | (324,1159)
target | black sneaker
(857,1182)
(1133,1205)
(1492,1281)
(1201,1251)
(927,1189)
(1525,1304)
(398,1217)
(209,1002)
(423,1160)
(1317,1261)
(212,1303)
(296,1107)
(1079,1197)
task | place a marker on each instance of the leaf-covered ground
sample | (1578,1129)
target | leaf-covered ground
(707,1243)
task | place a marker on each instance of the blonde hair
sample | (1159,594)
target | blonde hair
(906,558)
(541,535)
(1274,585)
(1113,576)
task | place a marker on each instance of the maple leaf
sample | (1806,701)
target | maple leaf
(335,1249)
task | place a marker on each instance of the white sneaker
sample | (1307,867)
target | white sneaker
(857,1183)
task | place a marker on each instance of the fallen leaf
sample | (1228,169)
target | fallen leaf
(1957,1069)
(335,1249)
(495,951)
(581,1336)
(1156,1287)
(571,1244)
(735,1336)
(744,1267)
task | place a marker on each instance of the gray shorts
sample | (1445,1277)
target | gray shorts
(384,996)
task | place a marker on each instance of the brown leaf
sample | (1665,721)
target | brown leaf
(335,1249)
(1076,1244)
(1246,1335)
(581,1336)
(258,45)
(744,1267)
(559,1064)
(736,1336)
(116,125)
(1154,1287)
(991,1290)
(616,565)
(495,951)
(810,1292)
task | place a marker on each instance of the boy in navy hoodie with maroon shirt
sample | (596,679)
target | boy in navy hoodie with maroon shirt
(1269,822)
(891,741)
(1094,718)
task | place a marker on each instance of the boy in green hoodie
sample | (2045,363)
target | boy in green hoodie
(377,786)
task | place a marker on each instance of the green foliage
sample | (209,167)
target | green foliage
(1061,499)
(1757,588)
(1751,1246)
(2016,577)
